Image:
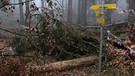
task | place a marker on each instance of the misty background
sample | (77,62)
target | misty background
(74,11)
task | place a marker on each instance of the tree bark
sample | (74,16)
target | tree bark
(69,11)
(82,11)
(42,5)
(21,13)
(79,12)
(65,65)
(131,5)
(27,14)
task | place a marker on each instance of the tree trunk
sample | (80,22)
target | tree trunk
(42,5)
(131,5)
(21,13)
(84,12)
(82,8)
(69,11)
(65,65)
(79,11)
(27,14)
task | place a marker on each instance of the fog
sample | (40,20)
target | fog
(80,12)
(117,15)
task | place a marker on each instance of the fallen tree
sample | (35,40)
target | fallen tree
(126,45)
(65,65)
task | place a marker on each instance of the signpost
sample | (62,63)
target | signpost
(99,8)
(106,6)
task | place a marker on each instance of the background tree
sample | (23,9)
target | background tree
(69,11)
(82,8)
(42,5)
(131,5)
(27,13)
(84,12)
(22,21)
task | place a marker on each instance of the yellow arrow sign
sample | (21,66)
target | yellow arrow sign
(107,6)
(100,20)
(98,13)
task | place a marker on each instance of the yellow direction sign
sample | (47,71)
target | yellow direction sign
(100,20)
(98,13)
(107,6)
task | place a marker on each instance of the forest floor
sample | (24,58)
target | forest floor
(116,63)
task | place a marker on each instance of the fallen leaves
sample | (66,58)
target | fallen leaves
(132,65)
(122,61)
(10,66)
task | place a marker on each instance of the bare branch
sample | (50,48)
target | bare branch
(20,3)
(13,32)
(15,3)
